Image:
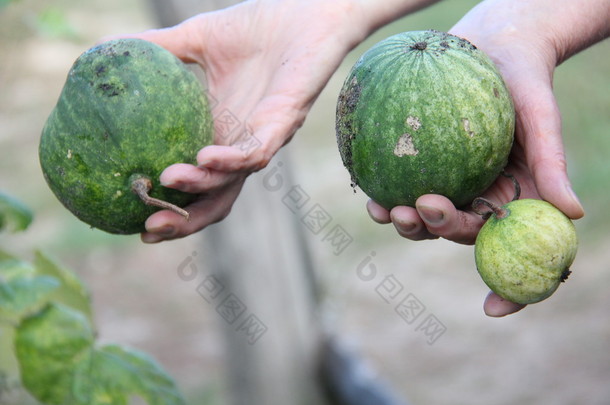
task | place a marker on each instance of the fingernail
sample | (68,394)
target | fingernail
(151,238)
(431,215)
(166,230)
(167,180)
(407,227)
(574,197)
(203,163)
(170,183)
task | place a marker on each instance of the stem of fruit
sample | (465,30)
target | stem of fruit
(515,184)
(142,185)
(495,209)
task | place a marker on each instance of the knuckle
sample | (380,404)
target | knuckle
(261,158)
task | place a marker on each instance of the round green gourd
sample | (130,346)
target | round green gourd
(128,110)
(424,112)
(525,249)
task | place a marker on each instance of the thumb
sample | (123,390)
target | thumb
(539,130)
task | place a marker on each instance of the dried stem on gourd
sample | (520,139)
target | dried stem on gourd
(142,185)
(515,184)
(496,209)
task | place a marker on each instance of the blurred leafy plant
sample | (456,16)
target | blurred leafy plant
(7,2)
(41,19)
(52,22)
(46,311)
(13,213)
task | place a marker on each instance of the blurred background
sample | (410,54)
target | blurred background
(552,352)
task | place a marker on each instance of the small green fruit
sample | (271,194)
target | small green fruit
(525,249)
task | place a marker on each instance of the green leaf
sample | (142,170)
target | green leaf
(25,287)
(11,268)
(60,365)
(21,290)
(48,346)
(24,294)
(14,214)
(116,374)
(72,291)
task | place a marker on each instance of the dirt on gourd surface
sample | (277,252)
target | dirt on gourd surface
(140,301)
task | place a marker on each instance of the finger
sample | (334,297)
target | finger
(196,180)
(539,127)
(378,213)
(409,225)
(258,143)
(496,306)
(167,225)
(441,218)
(235,158)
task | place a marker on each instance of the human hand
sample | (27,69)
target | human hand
(525,41)
(265,62)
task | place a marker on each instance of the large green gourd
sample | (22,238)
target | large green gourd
(424,112)
(128,110)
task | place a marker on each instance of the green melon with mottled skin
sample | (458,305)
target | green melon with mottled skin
(424,112)
(128,110)
(524,253)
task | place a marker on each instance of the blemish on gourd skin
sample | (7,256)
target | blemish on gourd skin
(112,88)
(413,122)
(100,70)
(466,124)
(405,146)
(348,101)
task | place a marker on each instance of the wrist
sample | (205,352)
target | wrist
(350,25)
(578,26)
(556,28)
(379,13)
